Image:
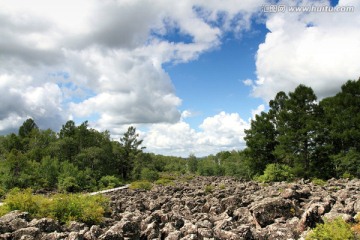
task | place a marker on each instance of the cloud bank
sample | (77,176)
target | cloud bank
(103,61)
(318,49)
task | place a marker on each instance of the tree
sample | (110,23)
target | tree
(343,117)
(299,131)
(192,163)
(28,126)
(130,148)
(261,141)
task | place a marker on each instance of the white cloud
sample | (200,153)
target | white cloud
(320,50)
(104,58)
(257,111)
(222,132)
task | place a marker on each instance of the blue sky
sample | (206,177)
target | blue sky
(214,82)
(188,75)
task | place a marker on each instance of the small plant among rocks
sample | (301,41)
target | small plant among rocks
(336,229)
(209,189)
(318,182)
(144,185)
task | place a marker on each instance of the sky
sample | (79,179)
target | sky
(189,75)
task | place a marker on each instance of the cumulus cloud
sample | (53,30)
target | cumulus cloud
(318,49)
(97,58)
(221,132)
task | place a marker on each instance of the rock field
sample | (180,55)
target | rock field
(204,208)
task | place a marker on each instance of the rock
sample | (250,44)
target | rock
(233,210)
(46,225)
(123,229)
(32,232)
(75,226)
(54,236)
(94,233)
(271,208)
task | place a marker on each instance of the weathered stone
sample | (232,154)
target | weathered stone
(45,225)
(32,232)
(271,208)
(94,232)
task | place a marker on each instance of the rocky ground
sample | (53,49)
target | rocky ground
(229,209)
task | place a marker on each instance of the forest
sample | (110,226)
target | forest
(298,137)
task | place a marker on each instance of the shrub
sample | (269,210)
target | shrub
(76,207)
(69,184)
(209,189)
(149,175)
(164,181)
(108,182)
(318,181)
(23,200)
(276,173)
(145,185)
(336,229)
(62,207)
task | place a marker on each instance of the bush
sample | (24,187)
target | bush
(76,207)
(69,184)
(108,182)
(149,175)
(62,207)
(209,189)
(24,201)
(336,229)
(276,173)
(145,185)
(164,181)
(318,181)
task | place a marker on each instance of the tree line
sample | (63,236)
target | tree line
(298,137)
(77,158)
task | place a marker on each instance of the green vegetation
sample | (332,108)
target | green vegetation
(62,207)
(276,173)
(299,137)
(143,185)
(315,139)
(164,181)
(336,229)
(209,189)
(319,182)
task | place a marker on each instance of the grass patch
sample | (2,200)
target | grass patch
(62,207)
(318,182)
(164,182)
(144,185)
(209,189)
(336,229)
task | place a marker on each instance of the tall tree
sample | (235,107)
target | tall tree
(261,142)
(130,148)
(299,124)
(27,127)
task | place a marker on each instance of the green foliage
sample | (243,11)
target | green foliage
(347,163)
(69,184)
(318,182)
(108,182)
(23,200)
(144,185)
(336,229)
(77,207)
(192,163)
(164,181)
(149,175)
(209,189)
(62,207)
(275,173)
